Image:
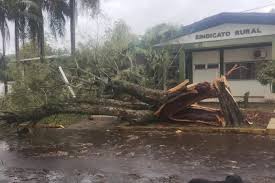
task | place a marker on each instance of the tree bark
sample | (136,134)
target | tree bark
(149,96)
(41,34)
(72,25)
(35,115)
(229,107)
(113,103)
(17,51)
(4,64)
(164,76)
(16,34)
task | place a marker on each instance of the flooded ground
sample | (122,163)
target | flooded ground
(84,156)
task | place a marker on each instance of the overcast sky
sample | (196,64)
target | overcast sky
(142,14)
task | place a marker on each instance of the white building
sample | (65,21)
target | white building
(212,46)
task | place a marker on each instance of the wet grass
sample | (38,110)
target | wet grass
(63,119)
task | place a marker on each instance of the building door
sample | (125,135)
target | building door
(206,66)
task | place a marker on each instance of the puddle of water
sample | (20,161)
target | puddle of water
(106,156)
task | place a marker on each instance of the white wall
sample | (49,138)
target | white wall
(245,54)
(238,87)
(255,89)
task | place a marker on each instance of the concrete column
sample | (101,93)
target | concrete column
(273,59)
(273,49)
(182,61)
(221,62)
(189,66)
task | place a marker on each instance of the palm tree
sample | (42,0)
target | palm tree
(18,12)
(72,25)
(90,4)
(4,25)
(56,11)
(5,37)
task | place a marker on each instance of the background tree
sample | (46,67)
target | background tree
(5,37)
(18,13)
(92,6)
(159,33)
(159,61)
(56,11)
(266,74)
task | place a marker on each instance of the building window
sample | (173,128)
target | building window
(246,72)
(200,67)
(212,66)
(273,87)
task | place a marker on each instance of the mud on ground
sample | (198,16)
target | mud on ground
(119,156)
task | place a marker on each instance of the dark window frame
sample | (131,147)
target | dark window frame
(197,67)
(216,66)
(241,71)
(273,87)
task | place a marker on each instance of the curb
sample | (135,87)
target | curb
(270,130)
(256,131)
(271,127)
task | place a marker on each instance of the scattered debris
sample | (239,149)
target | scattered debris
(132,154)
(62,153)
(132,137)
(118,153)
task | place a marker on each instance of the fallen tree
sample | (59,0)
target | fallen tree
(178,104)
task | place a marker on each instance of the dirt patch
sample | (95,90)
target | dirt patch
(257,113)
(96,122)
(259,119)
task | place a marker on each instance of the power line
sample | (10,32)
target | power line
(260,7)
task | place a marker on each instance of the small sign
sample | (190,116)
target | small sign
(225,32)
(234,33)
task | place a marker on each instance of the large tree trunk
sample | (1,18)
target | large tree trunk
(164,76)
(4,64)
(73,21)
(17,51)
(72,27)
(113,103)
(42,43)
(149,96)
(231,111)
(16,34)
(130,115)
(41,34)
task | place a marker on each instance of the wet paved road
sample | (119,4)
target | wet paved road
(139,157)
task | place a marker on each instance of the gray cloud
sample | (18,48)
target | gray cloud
(143,14)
